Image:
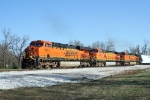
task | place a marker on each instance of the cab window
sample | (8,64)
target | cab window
(94,50)
(48,45)
(39,44)
(36,44)
(32,44)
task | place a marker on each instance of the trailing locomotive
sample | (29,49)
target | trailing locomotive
(45,54)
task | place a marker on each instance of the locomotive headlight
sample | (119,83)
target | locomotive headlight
(31,57)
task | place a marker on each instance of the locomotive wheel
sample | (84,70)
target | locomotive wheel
(87,65)
(47,66)
(137,63)
(129,63)
(31,66)
(97,64)
(82,65)
(23,66)
(79,66)
(50,67)
(58,64)
(100,64)
(103,64)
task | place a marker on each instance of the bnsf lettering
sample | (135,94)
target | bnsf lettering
(69,53)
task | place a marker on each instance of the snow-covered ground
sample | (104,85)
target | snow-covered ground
(43,78)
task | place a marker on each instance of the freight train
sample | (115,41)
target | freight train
(44,54)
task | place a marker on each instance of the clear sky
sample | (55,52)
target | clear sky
(126,22)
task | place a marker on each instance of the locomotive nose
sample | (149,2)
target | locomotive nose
(29,52)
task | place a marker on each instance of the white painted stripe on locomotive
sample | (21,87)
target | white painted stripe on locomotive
(69,64)
(145,58)
(110,63)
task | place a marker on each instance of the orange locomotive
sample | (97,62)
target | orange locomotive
(45,54)
(113,58)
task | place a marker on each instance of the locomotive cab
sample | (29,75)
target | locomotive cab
(33,48)
(32,53)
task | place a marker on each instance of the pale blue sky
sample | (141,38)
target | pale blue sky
(127,22)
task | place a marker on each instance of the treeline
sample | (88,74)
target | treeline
(105,46)
(145,49)
(109,45)
(12,48)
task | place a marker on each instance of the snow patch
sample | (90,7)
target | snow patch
(44,78)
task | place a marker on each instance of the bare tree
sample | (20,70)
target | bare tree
(135,50)
(145,47)
(103,46)
(132,50)
(5,44)
(143,50)
(138,50)
(11,48)
(149,51)
(18,46)
(126,51)
(77,43)
(70,43)
(99,45)
(110,45)
(96,44)
(89,46)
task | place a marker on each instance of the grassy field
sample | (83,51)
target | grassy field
(130,85)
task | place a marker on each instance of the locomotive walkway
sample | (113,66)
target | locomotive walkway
(43,78)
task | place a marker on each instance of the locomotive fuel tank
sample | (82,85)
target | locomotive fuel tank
(110,63)
(69,63)
(133,63)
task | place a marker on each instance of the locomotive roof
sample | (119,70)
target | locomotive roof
(83,48)
(133,54)
(56,44)
(110,51)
